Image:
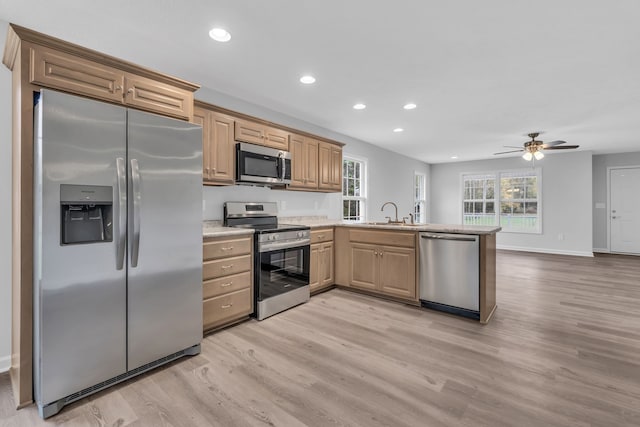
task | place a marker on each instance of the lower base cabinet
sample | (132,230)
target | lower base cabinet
(321,260)
(227,288)
(382,262)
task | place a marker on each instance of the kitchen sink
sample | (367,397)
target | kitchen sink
(386,223)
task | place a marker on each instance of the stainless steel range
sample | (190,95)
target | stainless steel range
(281,256)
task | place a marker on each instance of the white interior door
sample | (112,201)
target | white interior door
(625,210)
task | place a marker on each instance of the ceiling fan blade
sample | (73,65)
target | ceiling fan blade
(564,147)
(553,143)
(512,151)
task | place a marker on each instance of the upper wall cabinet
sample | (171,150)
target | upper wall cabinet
(257,133)
(304,162)
(330,167)
(63,66)
(218,154)
(316,165)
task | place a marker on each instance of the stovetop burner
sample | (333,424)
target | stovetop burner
(270,228)
(262,217)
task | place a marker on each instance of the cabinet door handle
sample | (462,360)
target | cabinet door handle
(320,236)
(206,170)
(226,306)
(227,248)
(375,253)
(226,285)
(130,90)
(381,253)
(226,267)
(117,88)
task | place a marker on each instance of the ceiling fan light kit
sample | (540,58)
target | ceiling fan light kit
(533,149)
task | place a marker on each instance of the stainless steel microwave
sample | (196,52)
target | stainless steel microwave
(262,165)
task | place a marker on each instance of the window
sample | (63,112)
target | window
(420,198)
(514,193)
(478,200)
(353,189)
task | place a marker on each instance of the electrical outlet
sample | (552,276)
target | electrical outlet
(561,236)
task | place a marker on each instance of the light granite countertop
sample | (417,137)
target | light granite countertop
(216,229)
(318,222)
(434,228)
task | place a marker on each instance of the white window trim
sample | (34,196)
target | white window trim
(497,174)
(364,181)
(424,199)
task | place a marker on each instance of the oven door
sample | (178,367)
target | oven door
(262,164)
(282,270)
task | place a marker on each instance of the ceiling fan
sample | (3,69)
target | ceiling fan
(533,149)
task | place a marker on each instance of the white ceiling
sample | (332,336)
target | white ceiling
(483,73)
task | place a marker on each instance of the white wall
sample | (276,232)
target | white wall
(5,209)
(600,217)
(566,200)
(390,175)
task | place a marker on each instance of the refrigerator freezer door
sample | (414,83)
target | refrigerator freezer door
(165,237)
(79,294)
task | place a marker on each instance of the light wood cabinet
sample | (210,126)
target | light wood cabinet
(227,274)
(218,146)
(321,271)
(330,167)
(304,162)
(258,133)
(78,75)
(59,70)
(382,262)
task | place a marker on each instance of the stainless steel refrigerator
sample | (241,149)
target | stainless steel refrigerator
(117,245)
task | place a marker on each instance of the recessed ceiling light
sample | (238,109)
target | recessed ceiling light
(220,35)
(398,130)
(409,106)
(307,79)
(454,157)
(359,107)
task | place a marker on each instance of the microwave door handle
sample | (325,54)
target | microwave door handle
(283,168)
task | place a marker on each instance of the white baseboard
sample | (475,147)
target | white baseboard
(601,250)
(544,250)
(5,363)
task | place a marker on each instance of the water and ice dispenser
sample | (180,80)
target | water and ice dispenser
(86,214)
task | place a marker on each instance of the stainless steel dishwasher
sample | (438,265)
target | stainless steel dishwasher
(450,273)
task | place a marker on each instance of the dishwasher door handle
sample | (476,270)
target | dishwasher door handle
(449,237)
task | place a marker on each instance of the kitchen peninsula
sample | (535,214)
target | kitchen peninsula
(382,259)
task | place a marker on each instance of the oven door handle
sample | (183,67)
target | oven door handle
(268,247)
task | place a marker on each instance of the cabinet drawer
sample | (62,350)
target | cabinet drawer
(70,73)
(224,285)
(226,267)
(225,308)
(151,95)
(393,238)
(226,248)
(322,235)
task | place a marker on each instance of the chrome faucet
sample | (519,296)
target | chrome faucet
(389,218)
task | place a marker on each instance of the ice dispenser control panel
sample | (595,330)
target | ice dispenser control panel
(86,214)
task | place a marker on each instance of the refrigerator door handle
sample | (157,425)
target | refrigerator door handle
(135,183)
(122,212)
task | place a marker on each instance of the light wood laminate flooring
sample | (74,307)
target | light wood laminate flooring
(563,349)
